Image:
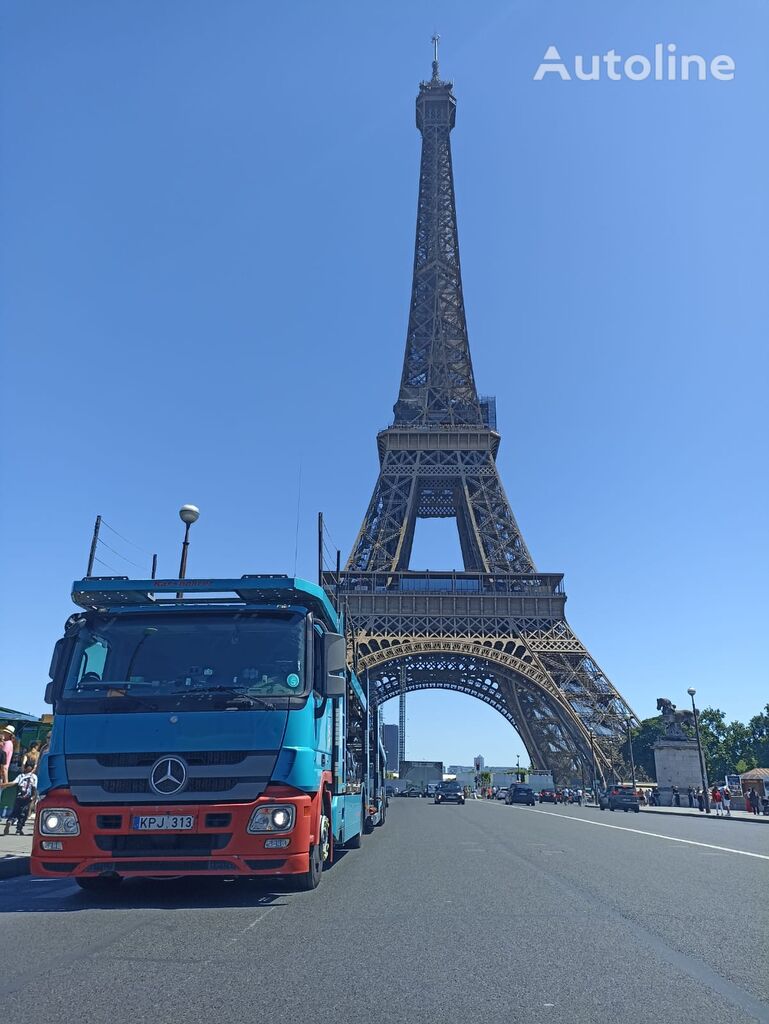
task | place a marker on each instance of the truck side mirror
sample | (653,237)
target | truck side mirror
(61,652)
(335,655)
(56,660)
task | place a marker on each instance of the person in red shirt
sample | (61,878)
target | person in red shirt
(715,799)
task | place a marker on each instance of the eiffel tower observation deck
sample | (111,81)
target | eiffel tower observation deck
(497,629)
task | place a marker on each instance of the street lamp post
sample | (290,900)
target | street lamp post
(705,795)
(188,514)
(630,748)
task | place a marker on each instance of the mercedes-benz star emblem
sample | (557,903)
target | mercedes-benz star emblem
(168,776)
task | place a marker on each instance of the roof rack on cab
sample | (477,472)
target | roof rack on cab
(121,592)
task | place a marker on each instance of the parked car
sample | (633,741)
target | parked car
(502,793)
(413,791)
(521,794)
(619,798)
(548,796)
(449,793)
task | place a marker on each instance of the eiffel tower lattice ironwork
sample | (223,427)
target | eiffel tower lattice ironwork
(496,630)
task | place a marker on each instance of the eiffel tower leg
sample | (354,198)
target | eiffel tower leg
(484,514)
(385,538)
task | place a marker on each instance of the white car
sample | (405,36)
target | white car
(502,793)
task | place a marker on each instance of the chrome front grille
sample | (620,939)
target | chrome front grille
(194,758)
(123,778)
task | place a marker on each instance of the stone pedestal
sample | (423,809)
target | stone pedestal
(677,763)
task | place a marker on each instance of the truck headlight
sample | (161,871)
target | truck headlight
(272,818)
(59,821)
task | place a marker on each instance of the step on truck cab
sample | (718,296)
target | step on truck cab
(203,727)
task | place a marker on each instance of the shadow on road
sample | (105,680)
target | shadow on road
(193,892)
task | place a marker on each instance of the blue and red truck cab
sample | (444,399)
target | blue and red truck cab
(204,727)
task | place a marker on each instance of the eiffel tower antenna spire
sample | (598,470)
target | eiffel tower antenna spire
(436,39)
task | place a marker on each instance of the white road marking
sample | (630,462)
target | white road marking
(656,835)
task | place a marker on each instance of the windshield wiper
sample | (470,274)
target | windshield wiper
(236,696)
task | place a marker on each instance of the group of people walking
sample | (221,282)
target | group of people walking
(25,781)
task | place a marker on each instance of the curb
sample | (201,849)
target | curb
(12,867)
(753,820)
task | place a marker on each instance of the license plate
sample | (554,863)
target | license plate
(172,822)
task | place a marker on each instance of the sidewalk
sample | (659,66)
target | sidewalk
(693,812)
(15,851)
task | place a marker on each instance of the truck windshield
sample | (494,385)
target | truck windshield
(248,654)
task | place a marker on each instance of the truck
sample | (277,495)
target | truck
(205,727)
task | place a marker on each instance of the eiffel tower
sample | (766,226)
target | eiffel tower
(496,630)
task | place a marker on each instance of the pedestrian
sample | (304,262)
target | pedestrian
(676,797)
(26,790)
(726,801)
(700,798)
(690,795)
(7,736)
(31,758)
(715,798)
(753,800)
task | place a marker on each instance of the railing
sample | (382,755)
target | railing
(464,583)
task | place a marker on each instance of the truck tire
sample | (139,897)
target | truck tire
(319,856)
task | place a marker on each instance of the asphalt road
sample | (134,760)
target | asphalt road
(459,915)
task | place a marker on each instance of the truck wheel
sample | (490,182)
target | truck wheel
(319,855)
(108,883)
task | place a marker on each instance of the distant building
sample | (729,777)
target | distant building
(391,747)
(466,774)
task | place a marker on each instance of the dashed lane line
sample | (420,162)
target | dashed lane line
(655,835)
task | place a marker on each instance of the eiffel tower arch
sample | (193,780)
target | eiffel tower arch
(497,629)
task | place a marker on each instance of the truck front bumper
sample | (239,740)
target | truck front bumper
(217,844)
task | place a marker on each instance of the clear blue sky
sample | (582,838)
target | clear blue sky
(208,214)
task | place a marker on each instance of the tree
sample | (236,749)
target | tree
(738,748)
(712,732)
(758,727)
(644,739)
